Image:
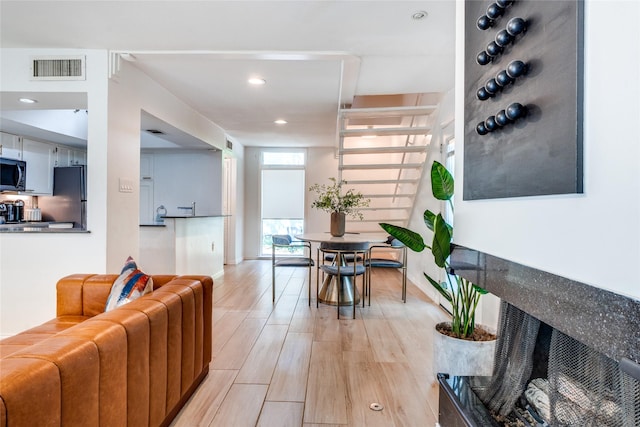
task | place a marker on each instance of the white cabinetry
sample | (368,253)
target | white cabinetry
(39,157)
(10,146)
(146,166)
(68,156)
(147,211)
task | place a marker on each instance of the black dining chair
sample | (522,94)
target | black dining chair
(286,241)
(396,257)
(341,269)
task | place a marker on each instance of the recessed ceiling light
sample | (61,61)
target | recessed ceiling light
(421,14)
(257,81)
(28,100)
(280,122)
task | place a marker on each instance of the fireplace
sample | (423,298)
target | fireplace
(572,347)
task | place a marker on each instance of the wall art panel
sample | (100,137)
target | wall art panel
(523,98)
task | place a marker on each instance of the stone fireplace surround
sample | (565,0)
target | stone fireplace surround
(604,321)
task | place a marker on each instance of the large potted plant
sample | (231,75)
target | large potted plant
(451,338)
(330,198)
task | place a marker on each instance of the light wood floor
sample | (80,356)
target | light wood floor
(288,364)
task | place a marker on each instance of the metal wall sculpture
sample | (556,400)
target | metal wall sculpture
(523,98)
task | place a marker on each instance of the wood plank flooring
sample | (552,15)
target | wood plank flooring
(291,364)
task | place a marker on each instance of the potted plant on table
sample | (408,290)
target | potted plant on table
(463,295)
(330,198)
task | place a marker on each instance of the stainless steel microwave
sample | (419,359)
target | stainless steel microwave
(13,174)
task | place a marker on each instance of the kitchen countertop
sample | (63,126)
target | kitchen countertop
(37,227)
(193,216)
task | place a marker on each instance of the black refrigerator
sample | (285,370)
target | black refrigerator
(69,200)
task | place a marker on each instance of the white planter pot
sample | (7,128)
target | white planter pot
(458,357)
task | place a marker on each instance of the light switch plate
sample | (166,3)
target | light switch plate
(126,185)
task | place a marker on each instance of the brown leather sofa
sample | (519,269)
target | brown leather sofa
(133,366)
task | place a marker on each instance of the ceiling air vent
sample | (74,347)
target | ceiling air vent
(229,145)
(58,68)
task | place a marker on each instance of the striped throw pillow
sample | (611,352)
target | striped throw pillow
(130,285)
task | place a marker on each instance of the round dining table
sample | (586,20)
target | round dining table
(328,293)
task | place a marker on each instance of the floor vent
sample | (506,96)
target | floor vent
(58,68)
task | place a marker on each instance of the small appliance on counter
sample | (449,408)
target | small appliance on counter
(32,215)
(12,211)
(3,213)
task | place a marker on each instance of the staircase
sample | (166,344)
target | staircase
(381,153)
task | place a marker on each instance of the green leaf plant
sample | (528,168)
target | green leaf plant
(464,296)
(331,198)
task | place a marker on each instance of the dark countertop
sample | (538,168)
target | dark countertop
(37,227)
(193,216)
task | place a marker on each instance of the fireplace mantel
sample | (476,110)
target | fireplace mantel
(603,320)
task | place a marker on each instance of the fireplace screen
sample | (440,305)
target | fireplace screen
(543,377)
(587,388)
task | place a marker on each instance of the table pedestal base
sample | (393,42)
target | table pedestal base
(328,293)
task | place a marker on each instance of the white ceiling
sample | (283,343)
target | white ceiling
(314,55)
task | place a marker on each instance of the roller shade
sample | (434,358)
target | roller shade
(283,193)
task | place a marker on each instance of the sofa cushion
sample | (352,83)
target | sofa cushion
(77,361)
(136,325)
(158,317)
(111,341)
(31,392)
(130,285)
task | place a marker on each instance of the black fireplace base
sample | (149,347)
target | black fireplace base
(459,406)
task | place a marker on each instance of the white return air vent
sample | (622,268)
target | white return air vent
(58,68)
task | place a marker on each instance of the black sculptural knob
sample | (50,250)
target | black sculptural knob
(503,79)
(491,123)
(504,3)
(515,111)
(516,26)
(483,58)
(516,69)
(482,94)
(492,87)
(501,118)
(494,11)
(503,38)
(493,49)
(481,129)
(484,23)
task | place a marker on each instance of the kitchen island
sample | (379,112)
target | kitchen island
(183,245)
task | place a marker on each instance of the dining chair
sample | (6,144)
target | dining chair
(396,257)
(286,241)
(341,269)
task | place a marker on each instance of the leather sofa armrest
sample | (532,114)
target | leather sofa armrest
(69,295)
(83,294)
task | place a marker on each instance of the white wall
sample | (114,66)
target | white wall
(30,265)
(185,176)
(321,165)
(593,237)
(130,92)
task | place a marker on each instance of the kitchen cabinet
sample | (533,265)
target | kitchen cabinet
(147,210)
(146,167)
(68,156)
(146,202)
(10,146)
(40,158)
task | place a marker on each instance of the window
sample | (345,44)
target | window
(282,195)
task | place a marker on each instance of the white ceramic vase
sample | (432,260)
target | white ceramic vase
(458,357)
